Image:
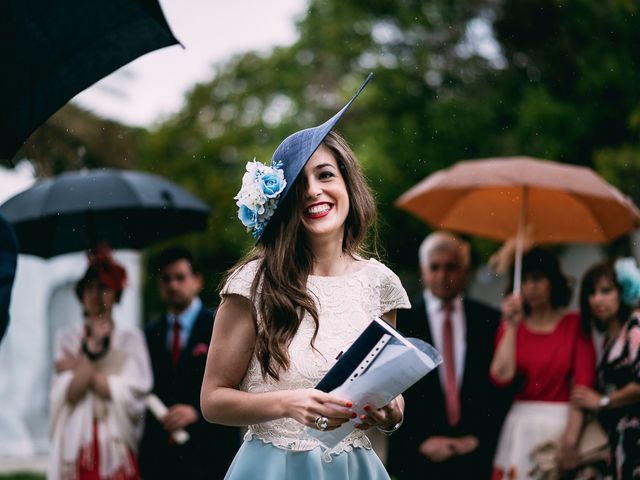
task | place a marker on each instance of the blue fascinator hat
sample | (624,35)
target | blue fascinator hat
(265,187)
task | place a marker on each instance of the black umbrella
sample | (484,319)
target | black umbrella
(8,259)
(76,210)
(50,50)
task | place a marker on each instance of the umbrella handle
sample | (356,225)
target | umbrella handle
(517,269)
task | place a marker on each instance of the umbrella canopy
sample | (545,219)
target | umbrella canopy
(494,197)
(52,50)
(501,198)
(76,210)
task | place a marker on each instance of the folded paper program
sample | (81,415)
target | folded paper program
(380,365)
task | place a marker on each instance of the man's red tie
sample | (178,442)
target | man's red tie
(175,345)
(451,396)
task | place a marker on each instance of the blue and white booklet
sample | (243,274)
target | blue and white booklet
(379,366)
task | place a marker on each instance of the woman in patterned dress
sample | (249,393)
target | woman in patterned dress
(299,299)
(608,294)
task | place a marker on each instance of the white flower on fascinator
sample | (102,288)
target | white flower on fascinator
(628,276)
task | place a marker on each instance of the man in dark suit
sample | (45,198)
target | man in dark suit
(178,344)
(453,415)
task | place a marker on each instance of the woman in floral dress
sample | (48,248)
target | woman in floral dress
(608,294)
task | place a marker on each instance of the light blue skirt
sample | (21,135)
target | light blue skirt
(257,460)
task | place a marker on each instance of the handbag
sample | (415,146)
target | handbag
(594,442)
(593,446)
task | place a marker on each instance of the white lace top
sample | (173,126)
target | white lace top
(346,305)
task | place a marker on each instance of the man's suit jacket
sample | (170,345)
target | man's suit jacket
(211,448)
(482,406)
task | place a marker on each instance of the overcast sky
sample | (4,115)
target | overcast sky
(153,86)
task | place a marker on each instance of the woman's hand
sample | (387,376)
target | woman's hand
(102,327)
(503,365)
(512,308)
(307,404)
(568,457)
(98,328)
(69,361)
(438,449)
(83,372)
(179,416)
(386,417)
(441,449)
(585,397)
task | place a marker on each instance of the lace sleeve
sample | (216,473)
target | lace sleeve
(392,293)
(240,281)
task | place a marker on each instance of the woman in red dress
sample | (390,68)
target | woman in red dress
(541,352)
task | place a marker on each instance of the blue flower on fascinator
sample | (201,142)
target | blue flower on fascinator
(258,197)
(628,276)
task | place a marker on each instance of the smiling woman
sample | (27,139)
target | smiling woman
(298,299)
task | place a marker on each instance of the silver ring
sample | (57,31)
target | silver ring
(321,423)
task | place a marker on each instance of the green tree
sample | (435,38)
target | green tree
(574,67)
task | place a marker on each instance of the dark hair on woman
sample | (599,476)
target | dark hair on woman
(285,261)
(92,275)
(588,285)
(105,270)
(540,261)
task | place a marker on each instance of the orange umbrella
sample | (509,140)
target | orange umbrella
(499,197)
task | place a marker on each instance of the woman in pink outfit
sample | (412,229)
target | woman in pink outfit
(102,372)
